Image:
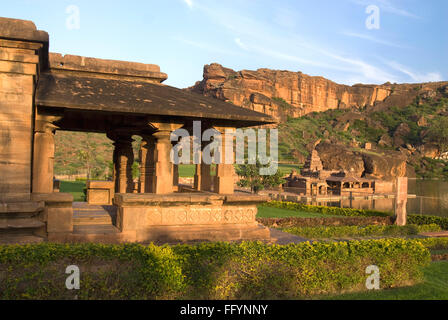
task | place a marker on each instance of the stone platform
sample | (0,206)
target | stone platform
(173,218)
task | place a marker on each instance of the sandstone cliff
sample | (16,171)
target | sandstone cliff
(285,93)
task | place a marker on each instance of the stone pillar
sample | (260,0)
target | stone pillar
(43,157)
(123,160)
(175,176)
(161,177)
(225,172)
(202,176)
(147,150)
(401,198)
(23,52)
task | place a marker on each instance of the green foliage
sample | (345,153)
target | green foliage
(335,211)
(367,133)
(248,270)
(282,103)
(253,179)
(428,168)
(434,287)
(327,232)
(349,212)
(420,219)
(438,133)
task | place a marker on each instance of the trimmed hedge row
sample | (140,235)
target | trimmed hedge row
(423,219)
(336,211)
(249,270)
(348,212)
(330,221)
(433,243)
(322,232)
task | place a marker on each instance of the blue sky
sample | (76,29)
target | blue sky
(326,38)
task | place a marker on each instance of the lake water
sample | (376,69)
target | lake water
(432,199)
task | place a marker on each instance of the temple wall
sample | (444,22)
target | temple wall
(18,70)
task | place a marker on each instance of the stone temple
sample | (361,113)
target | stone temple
(42,92)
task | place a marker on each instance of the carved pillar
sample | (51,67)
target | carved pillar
(163,173)
(202,176)
(147,164)
(225,172)
(161,178)
(123,160)
(43,156)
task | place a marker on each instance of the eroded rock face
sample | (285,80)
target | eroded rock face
(336,157)
(265,90)
(384,167)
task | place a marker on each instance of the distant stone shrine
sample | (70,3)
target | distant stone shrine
(41,92)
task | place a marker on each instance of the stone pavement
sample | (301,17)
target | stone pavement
(280,237)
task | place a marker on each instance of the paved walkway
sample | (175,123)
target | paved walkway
(280,237)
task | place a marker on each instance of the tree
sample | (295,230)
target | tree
(438,133)
(251,177)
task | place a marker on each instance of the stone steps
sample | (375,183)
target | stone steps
(85,214)
(100,229)
(6,239)
(20,223)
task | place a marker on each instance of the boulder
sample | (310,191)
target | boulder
(336,157)
(385,141)
(384,167)
(400,133)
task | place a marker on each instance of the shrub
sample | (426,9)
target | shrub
(424,219)
(327,221)
(349,212)
(248,270)
(356,231)
(327,210)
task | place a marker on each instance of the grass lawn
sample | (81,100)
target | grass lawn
(434,287)
(75,188)
(270,212)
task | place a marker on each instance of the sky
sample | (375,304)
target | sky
(347,41)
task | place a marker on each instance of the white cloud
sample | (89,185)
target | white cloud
(241,44)
(189,3)
(373,39)
(387,6)
(205,46)
(417,77)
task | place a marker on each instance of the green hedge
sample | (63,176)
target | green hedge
(348,212)
(326,221)
(336,211)
(434,243)
(424,219)
(249,270)
(323,232)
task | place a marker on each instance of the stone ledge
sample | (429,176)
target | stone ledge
(22,207)
(96,184)
(53,198)
(21,30)
(149,199)
(103,66)
(187,233)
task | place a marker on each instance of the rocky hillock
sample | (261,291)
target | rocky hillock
(378,131)
(284,93)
